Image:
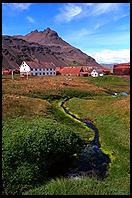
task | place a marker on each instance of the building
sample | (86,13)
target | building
(121,69)
(25,69)
(9,71)
(6,71)
(69,71)
(106,71)
(80,71)
(37,68)
(94,73)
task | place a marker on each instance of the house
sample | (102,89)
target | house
(106,71)
(25,69)
(58,70)
(37,68)
(16,71)
(6,71)
(94,73)
(9,71)
(84,74)
(121,69)
(70,71)
(86,70)
(101,74)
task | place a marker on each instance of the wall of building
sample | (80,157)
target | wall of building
(121,71)
(24,68)
(43,72)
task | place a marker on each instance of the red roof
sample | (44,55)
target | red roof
(71,70)
(36,65)
(122,65)
(87,69)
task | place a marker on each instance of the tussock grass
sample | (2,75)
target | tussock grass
(112,83)
(38,97)
(16,105)
(83,186)
(43,84)
(112,118)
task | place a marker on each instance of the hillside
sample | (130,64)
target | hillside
(42,46)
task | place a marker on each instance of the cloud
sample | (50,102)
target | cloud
(20,6)
(30,19)
(78,35)
(111,56)
(68,12)
(88,38)
(71,11)
(104,8)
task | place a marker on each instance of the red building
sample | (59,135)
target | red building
(9,71)
(121,69)
(6,71)
(69,71)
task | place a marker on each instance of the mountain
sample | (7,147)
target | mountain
(47,37)
(15,50)
(42,46)
(109,66)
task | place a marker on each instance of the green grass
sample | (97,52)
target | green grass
(34,150)
(39,99)
(112,118)
(114,128)
(112,83)
(84,186)
(15,76)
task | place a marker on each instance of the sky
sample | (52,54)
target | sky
(101,30)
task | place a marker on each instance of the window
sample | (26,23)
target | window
(43,73)
(50,73)
(35,69)
(50,69)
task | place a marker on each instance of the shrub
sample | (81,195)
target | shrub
(35,150)
(66,92)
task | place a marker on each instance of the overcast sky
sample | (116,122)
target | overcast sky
(102,30)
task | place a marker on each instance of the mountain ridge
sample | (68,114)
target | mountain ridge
(42,46)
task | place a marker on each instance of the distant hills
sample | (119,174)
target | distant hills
(42,46)
(109,66)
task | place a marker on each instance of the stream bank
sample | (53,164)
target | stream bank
(91,161)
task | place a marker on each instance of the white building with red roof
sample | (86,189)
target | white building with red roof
(37,68)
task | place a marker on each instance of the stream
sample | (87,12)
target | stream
(91,161)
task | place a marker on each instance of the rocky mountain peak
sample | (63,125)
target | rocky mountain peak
(43,45)
(47,29)
(35,30)
(50,33)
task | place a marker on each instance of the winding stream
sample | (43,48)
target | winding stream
(92,161)
(88,123)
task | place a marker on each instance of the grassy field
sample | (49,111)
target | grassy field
(38,97)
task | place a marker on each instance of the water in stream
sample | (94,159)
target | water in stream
(91,161)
